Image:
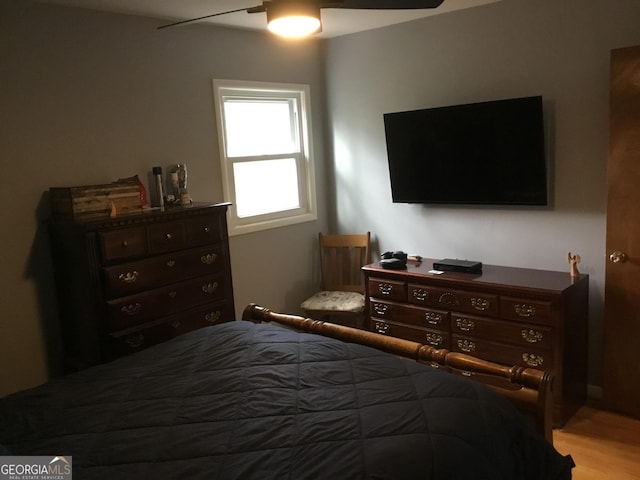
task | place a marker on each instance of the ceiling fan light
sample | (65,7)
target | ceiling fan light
(294,19)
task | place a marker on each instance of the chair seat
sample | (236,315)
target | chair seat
(352,302)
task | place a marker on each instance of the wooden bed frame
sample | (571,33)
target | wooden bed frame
(529,389)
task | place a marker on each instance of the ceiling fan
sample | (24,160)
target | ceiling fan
(298,18)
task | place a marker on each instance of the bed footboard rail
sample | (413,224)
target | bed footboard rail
(529,389)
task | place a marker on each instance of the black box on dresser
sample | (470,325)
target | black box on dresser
(131,281)
(512,316)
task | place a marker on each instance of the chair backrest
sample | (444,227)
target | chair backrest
(341,258)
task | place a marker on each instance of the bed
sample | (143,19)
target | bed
(276,396)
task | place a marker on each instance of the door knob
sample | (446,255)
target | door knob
(617,257)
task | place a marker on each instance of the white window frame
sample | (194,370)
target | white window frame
(304,158)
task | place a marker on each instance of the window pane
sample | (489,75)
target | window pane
(266,186)
(265,153)
(257,127)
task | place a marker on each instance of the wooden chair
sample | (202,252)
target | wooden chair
(342,291)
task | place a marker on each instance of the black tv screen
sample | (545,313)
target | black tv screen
(489,153)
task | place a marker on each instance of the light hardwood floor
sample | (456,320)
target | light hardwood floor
(603,445)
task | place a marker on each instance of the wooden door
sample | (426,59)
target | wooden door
(621,381)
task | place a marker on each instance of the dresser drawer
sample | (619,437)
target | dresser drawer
(420,317)
(124,243)
(204,230)
(501,353)
(126,312)
(387,289)
(134,340)
(133,277)
(167,237)
(462,301)
(160,238)
(513,333)
(435,338)
(525,310)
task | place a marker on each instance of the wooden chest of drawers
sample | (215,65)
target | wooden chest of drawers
(513,316)
(137,280)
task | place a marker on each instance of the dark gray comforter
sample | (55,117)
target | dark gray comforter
(247,401)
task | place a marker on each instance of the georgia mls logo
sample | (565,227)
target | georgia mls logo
(35,468)
(60,465)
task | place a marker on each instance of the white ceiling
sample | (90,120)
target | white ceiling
(335,22)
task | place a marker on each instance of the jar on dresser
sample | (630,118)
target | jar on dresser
(135,280)
(513,316)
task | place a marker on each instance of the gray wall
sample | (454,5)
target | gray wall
(88,97)
(513,48)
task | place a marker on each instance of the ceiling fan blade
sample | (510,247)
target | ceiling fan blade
(390,4)
(259,8)
(353,4)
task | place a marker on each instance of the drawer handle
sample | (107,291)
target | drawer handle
(213,317)
(532,336)
(176,324)
(380,308)
(171,263)
(131,309)
(134,340)
(448,299)
(209,258)
(381,327)
(465,324)
(481,304)
(206,230)
(532,359)
(525,310)
(172,294)
(467,346)
(210,287)
(420,294)
(129,277)
(434,339)
(385,288)
(433,318)
(124,244)
(168,236)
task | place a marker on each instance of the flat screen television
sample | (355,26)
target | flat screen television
(487,153)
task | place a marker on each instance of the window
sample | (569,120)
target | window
(265,152)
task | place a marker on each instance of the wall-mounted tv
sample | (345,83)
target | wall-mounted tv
(487,153)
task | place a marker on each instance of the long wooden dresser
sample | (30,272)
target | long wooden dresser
(512,316)
(135,280)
